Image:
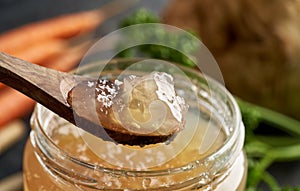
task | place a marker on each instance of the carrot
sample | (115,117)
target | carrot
(63,26)
(68,59)
(14,104)
(40,52)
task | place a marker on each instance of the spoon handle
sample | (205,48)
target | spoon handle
(51,88)
(37,82)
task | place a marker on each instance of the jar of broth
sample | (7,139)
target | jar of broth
(206,155)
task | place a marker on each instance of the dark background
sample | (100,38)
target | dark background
(14,13)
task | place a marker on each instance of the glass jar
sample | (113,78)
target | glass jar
(207,155)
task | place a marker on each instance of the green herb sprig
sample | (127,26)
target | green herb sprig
(158,51)
(262,149)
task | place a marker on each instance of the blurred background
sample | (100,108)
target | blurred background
(256,44)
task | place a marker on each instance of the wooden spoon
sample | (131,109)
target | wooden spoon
(51,89)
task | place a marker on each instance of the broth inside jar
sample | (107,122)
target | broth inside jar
(201,136)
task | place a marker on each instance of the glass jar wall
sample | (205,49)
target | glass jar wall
(206,155)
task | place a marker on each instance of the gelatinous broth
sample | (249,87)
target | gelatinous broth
(121,157)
